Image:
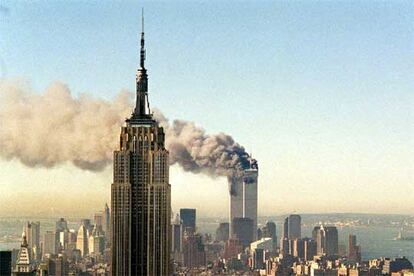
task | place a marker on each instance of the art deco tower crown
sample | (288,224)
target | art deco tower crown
(142,109)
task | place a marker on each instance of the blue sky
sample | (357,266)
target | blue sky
(320,91)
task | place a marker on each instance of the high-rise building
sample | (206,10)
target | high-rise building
(107,224)
(354,250)
(331,240)
(32,232)
(24,263)
(61,230)
(63,240)
(194,254)
(258,258)
(61,225)
(299,248)
(284,246)
(188,218)
(98,220)
(232,248)
(58,266)
(294,227)
(177,234)
(140,192)
(309,249)
(88,225)
(49,243)
(286,228)
(222,232)
(82,240)
(241,228)
(96,241)
(326,240)
(269,231)
(5,262)
(243,197)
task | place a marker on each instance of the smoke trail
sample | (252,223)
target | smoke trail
(45,130)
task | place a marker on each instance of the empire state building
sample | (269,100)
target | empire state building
(141,193)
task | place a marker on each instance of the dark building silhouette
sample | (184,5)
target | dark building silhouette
(242,229)
(5,263)
(141,193)
(258,258)
(284,246)
(294,227)
(309,249)
(286,228)
(188,218)
(299,248)
(222,232)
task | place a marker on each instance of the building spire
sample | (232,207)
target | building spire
(142,57)
(142,105)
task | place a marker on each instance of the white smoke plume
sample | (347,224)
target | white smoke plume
(52,128)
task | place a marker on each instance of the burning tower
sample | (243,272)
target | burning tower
(243,196)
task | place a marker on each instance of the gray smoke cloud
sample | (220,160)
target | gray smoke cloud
(52,128)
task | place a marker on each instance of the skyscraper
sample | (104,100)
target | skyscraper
(194,254)
(222,232)
(24,263)
(49,242)
(107,224)
(141,193)
(326,240)
(32,232)
(286,228)
(294,224)
(61,225)
(188,217)
(269,231)
(98,219)
(354,250)
(82,240)
(309,249)
(243,197)
(241,228)
(177,234)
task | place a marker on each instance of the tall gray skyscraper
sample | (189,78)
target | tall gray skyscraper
(294,227)
(177,235)
(243,198)
(50,242)
(141,193)
(107,224)
(269,231)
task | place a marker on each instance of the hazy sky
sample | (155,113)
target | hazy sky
(321,92)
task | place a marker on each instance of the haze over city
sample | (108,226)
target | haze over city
(319,93)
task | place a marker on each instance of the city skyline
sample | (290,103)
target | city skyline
(338,114)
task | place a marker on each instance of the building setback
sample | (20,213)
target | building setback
(140,193)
